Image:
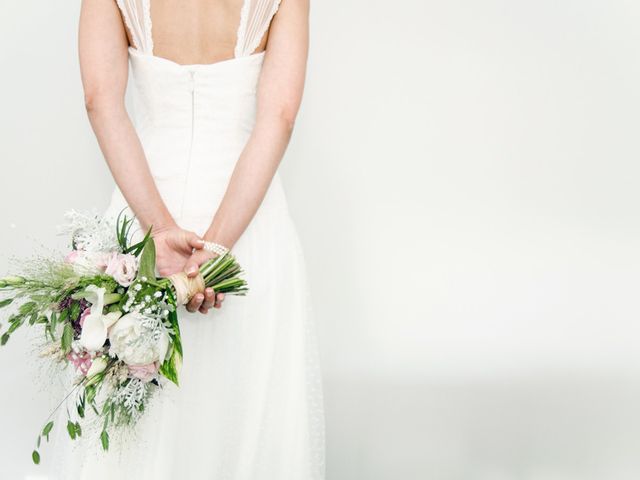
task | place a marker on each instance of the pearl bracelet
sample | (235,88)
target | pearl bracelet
(215,248)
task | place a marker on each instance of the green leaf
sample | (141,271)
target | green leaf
(26,308)
(75,311)
(78,429)
(171,366)
(47,428)
(67,338)
(35,456)
(4,339)
(104,439)
(71,428)
(148,261)
(38,442)
(90,393)
(6,302)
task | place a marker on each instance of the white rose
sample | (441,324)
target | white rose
(128,342)
(123,268)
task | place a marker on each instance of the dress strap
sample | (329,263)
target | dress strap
(255,18)
(137,18)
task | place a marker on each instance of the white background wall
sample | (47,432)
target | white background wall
(464,178)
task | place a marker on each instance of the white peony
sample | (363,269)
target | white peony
(133,343)
(96,324)
(123,268)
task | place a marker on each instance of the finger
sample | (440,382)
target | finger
(203,310)
(191,268)
(194,241)
(209,298)
(195,303)
(219,300)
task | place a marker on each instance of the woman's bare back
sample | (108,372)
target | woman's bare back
(198,31)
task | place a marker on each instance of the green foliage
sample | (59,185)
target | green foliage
(35,456)
(104,439)
(71,430)
(6,302)
(47,429)
(123,231)
(67,338)
(147,267)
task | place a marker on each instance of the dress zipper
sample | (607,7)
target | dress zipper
(192,87)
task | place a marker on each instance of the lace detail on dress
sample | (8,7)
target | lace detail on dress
(255,18)
(137,18)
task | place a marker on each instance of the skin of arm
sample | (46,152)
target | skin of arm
(103,50)
(279,95)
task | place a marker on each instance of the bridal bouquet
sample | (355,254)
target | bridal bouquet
(104,313)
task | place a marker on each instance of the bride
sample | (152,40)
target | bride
(217,85)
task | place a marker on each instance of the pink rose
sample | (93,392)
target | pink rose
(71,257)
(82,361)
(87,263)
(146,373)
(123,268)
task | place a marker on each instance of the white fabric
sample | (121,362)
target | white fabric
(250,403)
(255,18)
(137,18)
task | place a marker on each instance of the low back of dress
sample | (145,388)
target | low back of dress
(198,31)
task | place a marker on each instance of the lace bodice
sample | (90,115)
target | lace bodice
(255,17)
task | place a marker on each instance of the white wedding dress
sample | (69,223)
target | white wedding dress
(250,401)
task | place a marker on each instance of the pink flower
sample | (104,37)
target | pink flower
(72,256)
(82,361)
(87,263)
(123,268)
(146,373)
(85,313)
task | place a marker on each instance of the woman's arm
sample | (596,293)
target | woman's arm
(104,66)
(279,95)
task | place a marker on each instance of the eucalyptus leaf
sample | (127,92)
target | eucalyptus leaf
(35,456)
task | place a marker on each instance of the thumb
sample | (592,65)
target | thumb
(194,241)
(191,268)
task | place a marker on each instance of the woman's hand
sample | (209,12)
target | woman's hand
(202,302)
(174,246)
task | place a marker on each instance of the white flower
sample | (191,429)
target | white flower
(135,344)
(97,366)
(123,268)
(96,324)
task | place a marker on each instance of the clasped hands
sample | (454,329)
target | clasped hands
(181,250)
